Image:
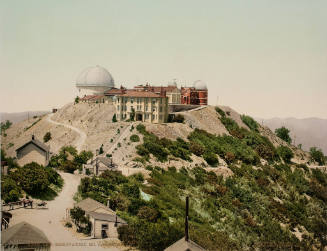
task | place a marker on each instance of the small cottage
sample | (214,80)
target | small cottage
(98,165)
(33,150)
(24,236)
(104,220)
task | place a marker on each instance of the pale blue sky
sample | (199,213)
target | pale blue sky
(265,58)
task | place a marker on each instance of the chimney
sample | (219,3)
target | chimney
(186,221)
(33,137)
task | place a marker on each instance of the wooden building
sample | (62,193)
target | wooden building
(24,236)
(33,151)
(104,220)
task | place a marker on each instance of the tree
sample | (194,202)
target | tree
(132,115)
(283,133)
(317,156)
(47,137)
(10,191)
(32,178)
(83,157)
(101,149)
(114,118)
(77,100)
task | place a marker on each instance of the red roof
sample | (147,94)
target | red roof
(133,93)
(114,92)
(90,97)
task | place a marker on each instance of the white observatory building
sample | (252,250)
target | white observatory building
(95,79)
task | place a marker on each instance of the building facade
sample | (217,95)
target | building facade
(33,151)
(142,106)
(171,91)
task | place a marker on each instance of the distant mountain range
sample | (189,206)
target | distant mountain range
(16,117)
(308,132)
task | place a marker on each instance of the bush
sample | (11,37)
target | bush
(134,138)
(68,224)
(283,133)
(47,137)
(250,122)
(285,153)
(197,148)
(211,158)
(317,156)
(179,118)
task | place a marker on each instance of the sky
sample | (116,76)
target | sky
(265,58)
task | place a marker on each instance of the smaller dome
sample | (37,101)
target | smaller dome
(200,85)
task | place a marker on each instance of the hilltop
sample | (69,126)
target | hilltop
(95,120)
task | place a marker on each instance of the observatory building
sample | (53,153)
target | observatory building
(95,79)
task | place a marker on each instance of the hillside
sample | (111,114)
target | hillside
(95,120)
(309,132)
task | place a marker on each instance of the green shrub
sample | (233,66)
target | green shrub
(283,133)
(141,128)
(211,158)
(285,153)
(134,138)
(317,156)
(250,122)
(47,137)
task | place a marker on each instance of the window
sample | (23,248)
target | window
(104,226)
(160,117)
(160,108)
(118,108)
(132,100)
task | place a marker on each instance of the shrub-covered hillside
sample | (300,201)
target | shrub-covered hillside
(272,207)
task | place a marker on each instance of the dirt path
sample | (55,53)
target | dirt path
(80,142)
(50,220)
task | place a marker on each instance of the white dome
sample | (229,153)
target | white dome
(200,85)
(95,78)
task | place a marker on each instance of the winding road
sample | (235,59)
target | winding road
(82,135)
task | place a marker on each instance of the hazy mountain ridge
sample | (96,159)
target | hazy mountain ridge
(308,132)
(16,117)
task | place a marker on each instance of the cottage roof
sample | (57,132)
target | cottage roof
(183,245)
(23,233)
(106,217)
(90,205)
(37,143)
